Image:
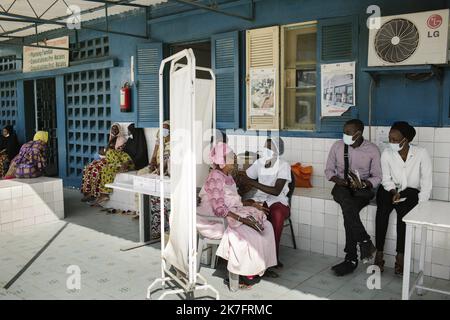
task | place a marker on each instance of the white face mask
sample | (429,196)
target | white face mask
(166,132)
(266,154)
(348,140)
(396,146)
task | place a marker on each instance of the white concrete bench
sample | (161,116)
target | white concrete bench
(123,200)
(25,202)
(318,227)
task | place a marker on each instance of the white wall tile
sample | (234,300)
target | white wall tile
(305,204)
(442,150)
(318,205)
(317,219)
(440,180)
(331,221)
(317,182)
(426,134)
(440,239)
(440,194)
(441,165)
(317,233)
(318,158)
(305,244)
(331,207)
(306,144)
(319,169)
(442,135)
(318,145)
(330,249)
(440,271)
(429,146)
(317,246)
(305,217)
(5,194)
(440,256)
(304,230)
(331,235)
(306,157)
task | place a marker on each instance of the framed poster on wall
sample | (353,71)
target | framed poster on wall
(262,91)
(338,88)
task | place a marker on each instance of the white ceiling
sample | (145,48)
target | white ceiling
(56,9)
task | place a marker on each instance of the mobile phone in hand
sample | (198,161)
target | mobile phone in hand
(400,200)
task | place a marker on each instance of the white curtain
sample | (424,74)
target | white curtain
(188,168)
(181,164)
(204,96)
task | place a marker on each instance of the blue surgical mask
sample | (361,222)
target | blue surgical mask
(348,140)
(166,132)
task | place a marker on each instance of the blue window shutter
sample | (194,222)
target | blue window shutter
(225,63)
(338,42)
(149,57)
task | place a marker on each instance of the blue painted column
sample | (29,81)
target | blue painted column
(61,126)
(20,124)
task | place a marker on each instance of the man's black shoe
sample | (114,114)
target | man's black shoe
(367,250)
(344,268)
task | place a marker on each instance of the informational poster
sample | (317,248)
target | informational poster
(39,59)
(262,92)
(338,88)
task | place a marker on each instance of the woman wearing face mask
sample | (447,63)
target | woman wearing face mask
(248,242)
(407,180)
(271,175)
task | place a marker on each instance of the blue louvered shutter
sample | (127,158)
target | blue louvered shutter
(225,63)
(338,42)
(149,57)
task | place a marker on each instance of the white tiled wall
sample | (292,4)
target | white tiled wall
(317,221)
(318,227)
(30,201)
(314,151)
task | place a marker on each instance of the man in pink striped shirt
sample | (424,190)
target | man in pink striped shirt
(353,190)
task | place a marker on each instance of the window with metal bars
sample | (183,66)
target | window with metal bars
(88,49)
(88,109)
(7,63)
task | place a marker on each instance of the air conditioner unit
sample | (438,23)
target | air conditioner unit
(409,39)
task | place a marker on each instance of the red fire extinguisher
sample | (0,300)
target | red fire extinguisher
(125,98)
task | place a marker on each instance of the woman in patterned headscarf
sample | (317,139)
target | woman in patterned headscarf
(90,185)
(31,160)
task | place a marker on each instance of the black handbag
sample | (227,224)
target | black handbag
(363,193)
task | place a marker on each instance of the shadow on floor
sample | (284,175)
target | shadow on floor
(82,214)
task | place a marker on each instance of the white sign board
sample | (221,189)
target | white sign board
(39,59)
(338,88)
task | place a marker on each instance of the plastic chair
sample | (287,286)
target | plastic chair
(214,243)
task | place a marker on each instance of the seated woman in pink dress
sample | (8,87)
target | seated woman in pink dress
(248,242)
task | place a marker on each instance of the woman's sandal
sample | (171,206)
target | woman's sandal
(242,285)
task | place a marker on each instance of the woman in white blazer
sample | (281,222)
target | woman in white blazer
(407,180)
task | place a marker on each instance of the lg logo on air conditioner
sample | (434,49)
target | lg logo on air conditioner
(434,22)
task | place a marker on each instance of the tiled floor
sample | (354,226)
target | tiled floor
(92,240)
